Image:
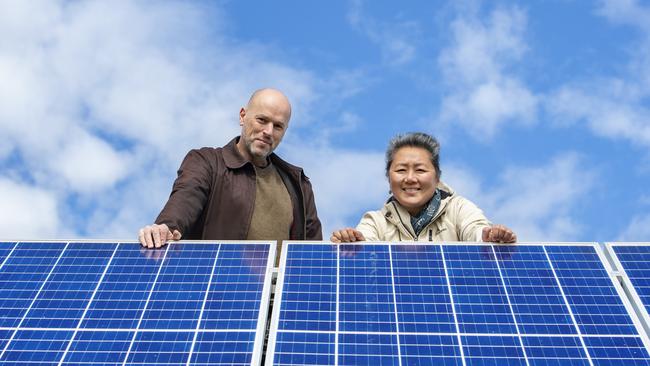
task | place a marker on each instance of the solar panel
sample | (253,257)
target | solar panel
(116,303)
(451,304)
(633,262)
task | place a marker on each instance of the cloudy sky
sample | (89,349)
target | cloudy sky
(542,108)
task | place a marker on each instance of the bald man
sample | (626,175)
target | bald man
(241,191)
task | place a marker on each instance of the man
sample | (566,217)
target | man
(241,191)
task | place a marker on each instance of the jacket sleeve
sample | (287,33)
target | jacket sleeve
(470,220)
(369,226)
(314,230)
(189,194)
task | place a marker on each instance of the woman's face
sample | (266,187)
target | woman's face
(412,178)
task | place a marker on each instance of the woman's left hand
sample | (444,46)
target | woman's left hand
(499,234)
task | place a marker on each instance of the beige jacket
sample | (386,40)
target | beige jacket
(457,219)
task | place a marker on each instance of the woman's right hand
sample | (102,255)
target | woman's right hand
(347,235)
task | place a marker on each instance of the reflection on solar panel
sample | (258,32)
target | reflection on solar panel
(115,303)
(451,304)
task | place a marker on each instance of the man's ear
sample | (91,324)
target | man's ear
(242,114)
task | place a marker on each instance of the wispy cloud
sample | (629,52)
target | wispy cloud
(537,202)
(394,38)
(637,230)
(483,94)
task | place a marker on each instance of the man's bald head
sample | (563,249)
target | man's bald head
(270,96)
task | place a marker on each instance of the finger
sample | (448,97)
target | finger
(141,238)
(156,237)
(359,236)
(176,235)
(485,235)
(147,236)
(348,235)
(334,239)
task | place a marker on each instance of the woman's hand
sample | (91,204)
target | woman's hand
(498,234)
(347,235)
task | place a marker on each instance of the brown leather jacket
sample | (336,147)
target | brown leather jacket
(214,195)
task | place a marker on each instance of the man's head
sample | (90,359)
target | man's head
(263,123)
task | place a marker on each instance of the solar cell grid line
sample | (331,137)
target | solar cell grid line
(453,308)
(514,317)
(6,248)
(28,254)
(165,250)
(603,312)
(536,295)
(205,298)
(88,305)
(568,306)
(397,324)
(632,260)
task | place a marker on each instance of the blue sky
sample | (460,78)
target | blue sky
(542,108)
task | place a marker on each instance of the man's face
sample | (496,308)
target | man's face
(263,123)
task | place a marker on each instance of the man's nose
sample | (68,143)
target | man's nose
(267,129)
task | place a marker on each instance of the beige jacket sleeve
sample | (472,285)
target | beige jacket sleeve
(469,219)
(372,226)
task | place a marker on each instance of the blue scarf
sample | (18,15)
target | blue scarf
(425,216)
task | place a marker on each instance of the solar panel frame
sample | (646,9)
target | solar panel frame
(585,340)
(68,333)
(640,307)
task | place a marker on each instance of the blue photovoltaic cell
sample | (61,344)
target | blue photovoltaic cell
(368,349)
(309,299)
(433,304)
(366,292)
(223,348)
(555,351)
(109,303)
(301,348)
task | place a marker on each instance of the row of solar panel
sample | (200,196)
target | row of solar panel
(108,303)
(448,304)
(206,303)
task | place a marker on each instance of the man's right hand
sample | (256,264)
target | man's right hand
(347,235)
(156,236)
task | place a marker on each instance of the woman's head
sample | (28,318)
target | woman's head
(413,169)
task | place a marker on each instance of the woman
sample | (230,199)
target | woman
(421,207)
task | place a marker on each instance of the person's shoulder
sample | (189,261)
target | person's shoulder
(286,166)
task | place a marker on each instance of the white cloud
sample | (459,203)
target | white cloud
(613,106)
(483,95)
(395,38)
(625,12)
(637,230)
(538,203)
(27,212)
(607,111)
(346,183)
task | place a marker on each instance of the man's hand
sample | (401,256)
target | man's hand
(498,234)
(156,236)
(347,235)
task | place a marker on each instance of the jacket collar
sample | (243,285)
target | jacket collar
(235,160)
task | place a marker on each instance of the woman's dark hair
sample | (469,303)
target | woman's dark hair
(414,139)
